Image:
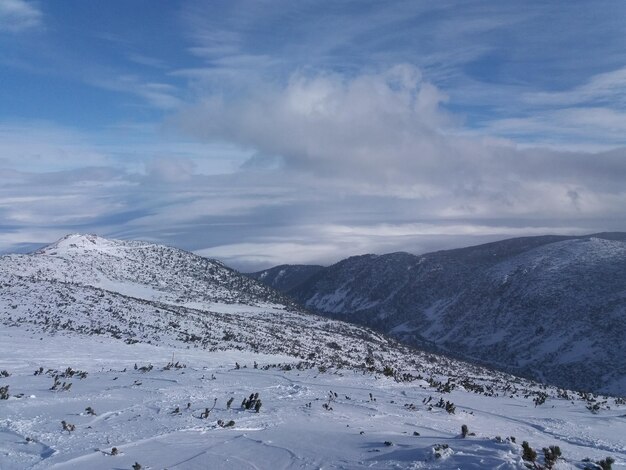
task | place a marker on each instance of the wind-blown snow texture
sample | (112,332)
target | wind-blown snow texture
(552,308)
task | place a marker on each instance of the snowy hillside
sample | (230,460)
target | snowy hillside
(107,344)
(138,269)
(139,292)
(552,308)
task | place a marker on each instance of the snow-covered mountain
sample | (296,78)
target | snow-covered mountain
(142,292)
(286,277)
(552,308)
(117,353)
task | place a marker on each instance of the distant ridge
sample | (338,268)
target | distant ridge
(550,307)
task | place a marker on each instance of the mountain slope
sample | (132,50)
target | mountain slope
(286,277)
(141,292)
(551,307)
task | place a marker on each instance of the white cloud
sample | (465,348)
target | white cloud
(18,15)
(608,88)
(330,125)
(158,95)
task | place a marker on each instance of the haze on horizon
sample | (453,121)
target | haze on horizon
(277,132)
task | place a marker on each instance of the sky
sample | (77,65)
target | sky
(268,132)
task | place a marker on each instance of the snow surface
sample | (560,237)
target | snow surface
(134,414)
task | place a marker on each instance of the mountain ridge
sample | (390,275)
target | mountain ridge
(563,297)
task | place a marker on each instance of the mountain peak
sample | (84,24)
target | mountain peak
(76,241)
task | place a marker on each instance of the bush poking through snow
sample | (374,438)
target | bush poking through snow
(594,407)
(607,463)
(466,432)
(207,411)
(441,451)
(446,405)
(251,402)
(89,410)
(551,455)
(540,399)
(331,398)
(4,392)
(528,454)
(68,427)
(229,402)
(604,464)
(136,466)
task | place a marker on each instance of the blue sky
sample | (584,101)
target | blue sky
(263,132)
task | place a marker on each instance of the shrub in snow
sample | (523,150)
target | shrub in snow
(441,451)
(68,427)
(331,398)
(604,464)
(540,399)
(207,411)
(551,455)
(446,405)
(251,402)
(593,407)
(4,392)
(528,454)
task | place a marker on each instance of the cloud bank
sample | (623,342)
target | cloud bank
(332,165)
(272,132)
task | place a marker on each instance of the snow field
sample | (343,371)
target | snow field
(134,413)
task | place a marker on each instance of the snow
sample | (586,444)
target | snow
(104,306)
(134,414)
